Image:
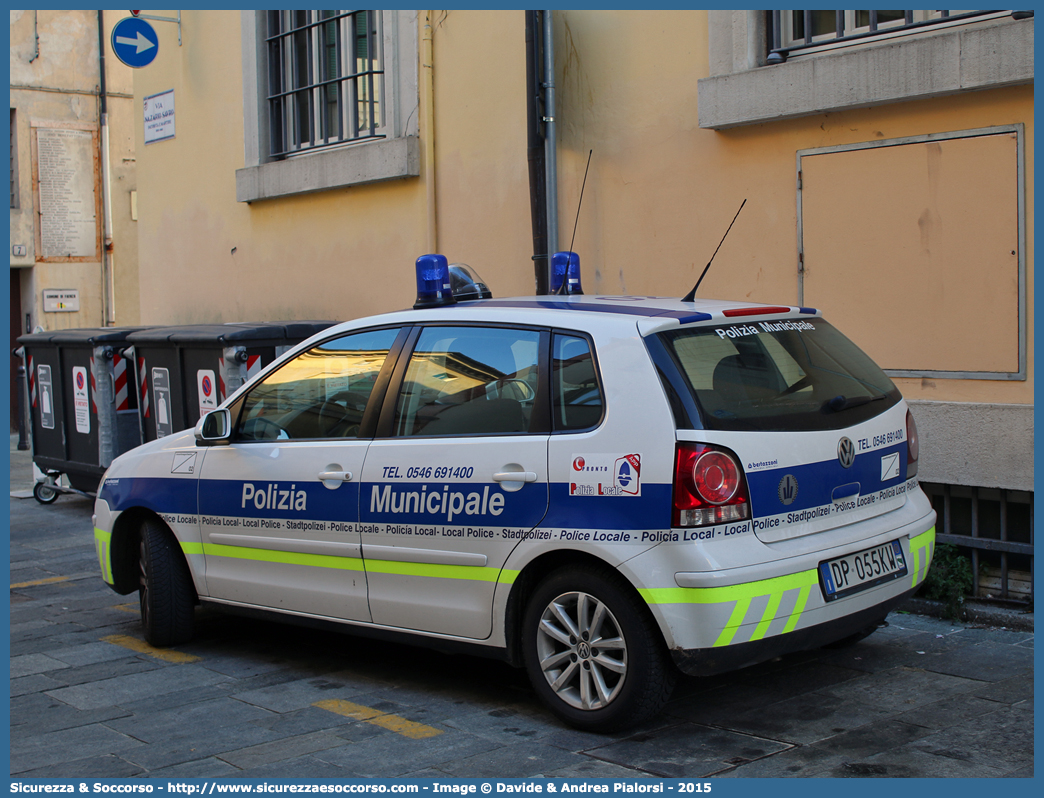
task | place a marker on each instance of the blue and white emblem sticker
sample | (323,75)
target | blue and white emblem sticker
(788,489)
(605,475)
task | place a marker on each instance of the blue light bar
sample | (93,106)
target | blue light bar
(433,282)
(565,266)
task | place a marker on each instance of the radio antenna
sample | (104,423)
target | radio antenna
(565,279)
(692,294)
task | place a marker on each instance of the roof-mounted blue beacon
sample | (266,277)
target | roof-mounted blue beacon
(433,282)
(565,266)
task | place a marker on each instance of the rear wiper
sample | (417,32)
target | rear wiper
(842,402)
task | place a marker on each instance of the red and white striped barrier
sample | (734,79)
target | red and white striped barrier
(119,381)
(143,388)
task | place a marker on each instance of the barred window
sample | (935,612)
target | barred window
(801,31)
(325,79)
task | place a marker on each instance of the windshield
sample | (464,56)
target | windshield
(779,375)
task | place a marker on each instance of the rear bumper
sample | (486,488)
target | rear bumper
(738,616)
(710,661)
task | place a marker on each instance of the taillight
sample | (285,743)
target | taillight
(913,445)
(709,487)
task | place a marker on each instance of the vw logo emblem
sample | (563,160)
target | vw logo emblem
(846,452)
(583,650)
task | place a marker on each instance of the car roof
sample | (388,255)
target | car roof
(586,311)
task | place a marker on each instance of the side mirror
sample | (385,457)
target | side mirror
(214,427)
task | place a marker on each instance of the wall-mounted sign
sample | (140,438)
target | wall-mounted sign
(159,117)
(61,300)
(134,42)
(68,202)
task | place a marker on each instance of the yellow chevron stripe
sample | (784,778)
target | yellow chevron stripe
(923,543)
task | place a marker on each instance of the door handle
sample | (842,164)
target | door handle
(515,476)
(344,476)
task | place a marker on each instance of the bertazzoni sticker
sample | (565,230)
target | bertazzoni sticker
(605,475)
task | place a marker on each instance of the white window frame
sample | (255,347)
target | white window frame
(826,42)
(395,156)
(789,40)
(960,57)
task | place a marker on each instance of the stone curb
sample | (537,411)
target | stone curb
(975,613)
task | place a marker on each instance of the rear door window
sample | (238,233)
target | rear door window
(470,381)
(789,375)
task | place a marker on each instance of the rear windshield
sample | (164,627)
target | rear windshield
(779,375)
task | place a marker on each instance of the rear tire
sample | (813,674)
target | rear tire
(593,652)
(165,590)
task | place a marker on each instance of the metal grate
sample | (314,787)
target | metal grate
(994,524)
(325,79)
(814,28)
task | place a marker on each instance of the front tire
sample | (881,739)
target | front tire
(593,653)
(165,591)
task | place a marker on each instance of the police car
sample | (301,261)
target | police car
(604,490)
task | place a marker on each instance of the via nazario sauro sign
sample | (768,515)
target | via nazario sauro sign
(159,117)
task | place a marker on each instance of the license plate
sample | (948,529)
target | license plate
(852,573)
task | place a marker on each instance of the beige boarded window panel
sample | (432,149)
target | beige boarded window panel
(912,250)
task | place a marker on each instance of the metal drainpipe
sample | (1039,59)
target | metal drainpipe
(428,99)
(550,141)
(535,150)
(36,36)
(108,281)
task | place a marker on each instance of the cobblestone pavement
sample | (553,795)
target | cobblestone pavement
(89,698)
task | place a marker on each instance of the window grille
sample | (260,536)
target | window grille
(326,74)
(995,527)
(794,31)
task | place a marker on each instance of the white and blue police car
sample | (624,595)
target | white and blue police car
(602,489)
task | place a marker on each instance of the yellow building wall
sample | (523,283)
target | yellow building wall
(481,165)
(212,259)
(659,196)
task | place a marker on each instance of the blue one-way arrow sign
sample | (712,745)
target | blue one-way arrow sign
(134,42)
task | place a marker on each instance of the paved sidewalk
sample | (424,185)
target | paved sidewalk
(920,698)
